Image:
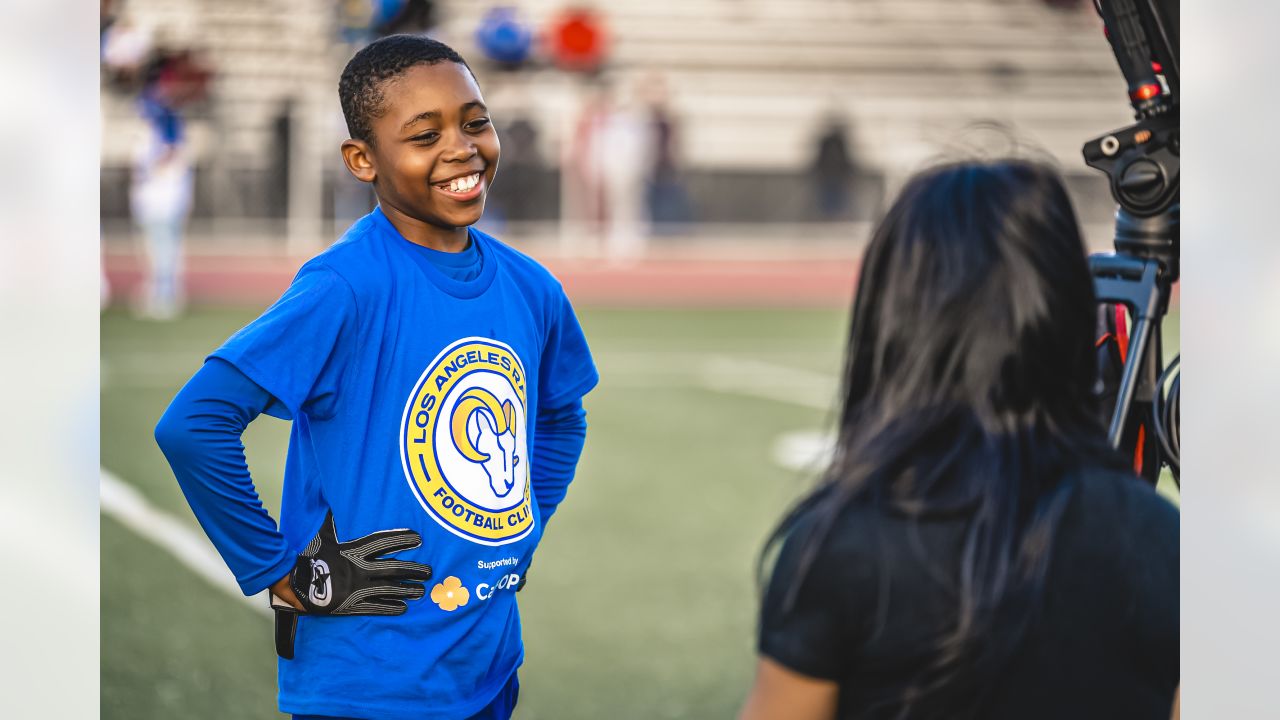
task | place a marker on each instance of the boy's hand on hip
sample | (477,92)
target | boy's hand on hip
(284,591)
(353,578)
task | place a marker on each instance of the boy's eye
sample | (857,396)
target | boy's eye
(478,123)
(427,137)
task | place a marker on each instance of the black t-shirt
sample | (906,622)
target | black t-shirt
(1104,643)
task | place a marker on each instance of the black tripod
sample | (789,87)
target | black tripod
(1139,276)
(1142,162)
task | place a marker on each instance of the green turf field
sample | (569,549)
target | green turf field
(641,602)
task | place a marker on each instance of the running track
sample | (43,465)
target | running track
(646,283)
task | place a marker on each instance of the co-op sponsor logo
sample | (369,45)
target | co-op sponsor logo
(484,591)
(449,594)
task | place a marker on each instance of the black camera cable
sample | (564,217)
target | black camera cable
(1165,416)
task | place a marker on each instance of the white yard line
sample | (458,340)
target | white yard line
(760,379)
(803,451)
(124,503)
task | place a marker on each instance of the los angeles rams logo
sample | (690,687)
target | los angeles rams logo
(464,443)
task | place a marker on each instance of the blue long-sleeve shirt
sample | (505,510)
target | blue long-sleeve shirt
(437,392)
(200,435)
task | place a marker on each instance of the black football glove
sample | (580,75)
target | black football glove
(350,578)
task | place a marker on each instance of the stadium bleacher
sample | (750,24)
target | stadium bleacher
(751,81)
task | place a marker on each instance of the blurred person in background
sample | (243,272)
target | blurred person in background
(162,180)
(121,50)
(668,200)
(124,48)
(624,152)
(833,169)
(360,22)
(975,549)
(582,161)
(604,164)
(516,198)
(393,17)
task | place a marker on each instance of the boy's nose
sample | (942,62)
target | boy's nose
(460,150)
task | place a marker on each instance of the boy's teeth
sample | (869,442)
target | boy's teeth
(463,184)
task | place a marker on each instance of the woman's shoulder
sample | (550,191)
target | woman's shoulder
(1118,531)
(1118,499)
(847,546)
(847,530)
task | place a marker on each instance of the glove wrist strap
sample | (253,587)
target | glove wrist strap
(286,626)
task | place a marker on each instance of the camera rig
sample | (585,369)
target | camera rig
(1133,284)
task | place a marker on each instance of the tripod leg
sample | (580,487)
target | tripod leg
(1129,379)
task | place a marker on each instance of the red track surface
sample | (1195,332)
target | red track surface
(650,283)
(680,283)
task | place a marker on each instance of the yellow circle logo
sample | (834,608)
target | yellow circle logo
(464,443)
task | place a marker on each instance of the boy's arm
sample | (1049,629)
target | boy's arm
(559,434)
(567,373)
(200,436)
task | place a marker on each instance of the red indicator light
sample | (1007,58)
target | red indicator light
(1146,92)
(1156,67)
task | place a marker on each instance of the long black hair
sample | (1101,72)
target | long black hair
(967,388)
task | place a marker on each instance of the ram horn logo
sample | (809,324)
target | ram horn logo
(484,430)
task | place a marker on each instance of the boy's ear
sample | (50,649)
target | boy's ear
(358,157)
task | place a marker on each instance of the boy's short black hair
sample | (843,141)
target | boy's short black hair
(360,88)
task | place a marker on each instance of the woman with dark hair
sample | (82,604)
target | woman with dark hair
(975,549)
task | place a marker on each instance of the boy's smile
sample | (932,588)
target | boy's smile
(432,156)
(465,187)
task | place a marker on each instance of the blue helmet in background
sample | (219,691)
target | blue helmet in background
(503,37)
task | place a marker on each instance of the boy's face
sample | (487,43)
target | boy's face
(434,151)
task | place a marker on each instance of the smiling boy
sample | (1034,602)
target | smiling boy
(434,377)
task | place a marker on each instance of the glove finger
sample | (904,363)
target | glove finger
(407,591)
(375,607)
(378,600)
(385,542)
(401,570)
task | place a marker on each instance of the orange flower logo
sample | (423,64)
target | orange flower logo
(450,595)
